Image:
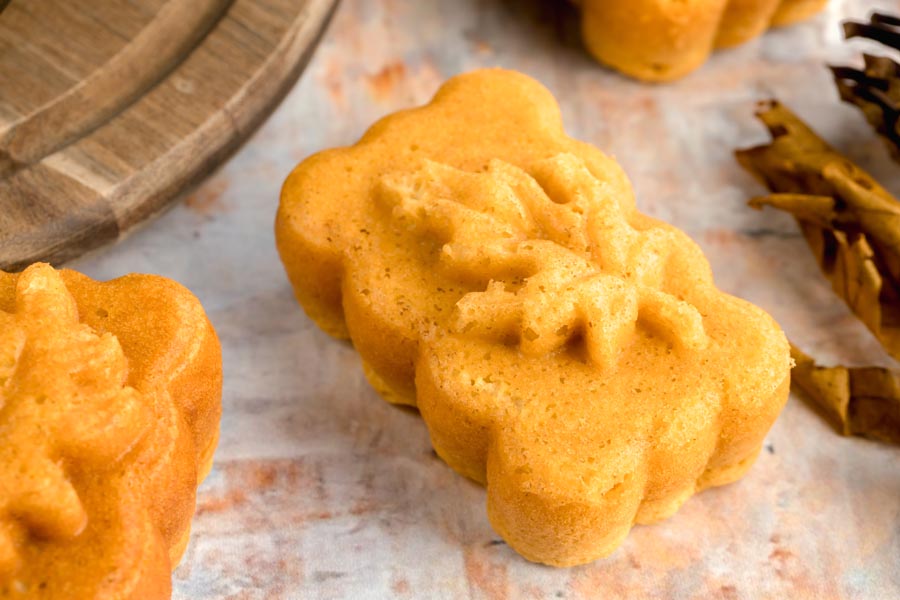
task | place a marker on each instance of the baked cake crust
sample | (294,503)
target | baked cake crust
(110,393)
(661,40)
(565,350)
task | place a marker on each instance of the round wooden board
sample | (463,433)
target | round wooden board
(110,110)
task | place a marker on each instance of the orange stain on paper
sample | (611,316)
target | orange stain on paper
(484,575)
(383,83)
(400,587)
(207,201)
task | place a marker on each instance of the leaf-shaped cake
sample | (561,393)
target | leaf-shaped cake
(109,405)
(565,350)
(661,40)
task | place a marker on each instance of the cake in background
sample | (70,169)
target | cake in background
(661,40)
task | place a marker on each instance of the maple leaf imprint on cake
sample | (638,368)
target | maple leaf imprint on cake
(554,250)
(63,403)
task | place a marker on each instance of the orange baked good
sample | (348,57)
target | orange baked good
(565,350)
(109,416)
(661,40)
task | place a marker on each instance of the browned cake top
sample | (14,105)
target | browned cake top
(102,446)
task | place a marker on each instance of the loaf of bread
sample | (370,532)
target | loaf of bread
(109,416)
(661,40)
(568,352)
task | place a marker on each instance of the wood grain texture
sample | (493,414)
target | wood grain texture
(111,110)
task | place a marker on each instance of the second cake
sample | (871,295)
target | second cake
(661,40)
(565,350)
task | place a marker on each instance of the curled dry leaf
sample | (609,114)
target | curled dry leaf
(876,88)
(851,223)
(861,401)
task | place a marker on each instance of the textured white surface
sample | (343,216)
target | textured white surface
(320,489)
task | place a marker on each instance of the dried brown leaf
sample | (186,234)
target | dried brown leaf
(876,88)
(860,401)
(851,223)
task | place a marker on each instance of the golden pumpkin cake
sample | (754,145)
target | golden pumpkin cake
(109,416)
(661,40)
(565,350)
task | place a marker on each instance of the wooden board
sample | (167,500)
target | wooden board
(110,110)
